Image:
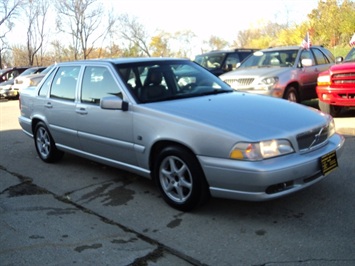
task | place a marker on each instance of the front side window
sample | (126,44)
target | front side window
(231,62)
(98,82)
(306,54)
(64,83)
(43,91)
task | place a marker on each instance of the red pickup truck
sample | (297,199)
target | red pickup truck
(336,86)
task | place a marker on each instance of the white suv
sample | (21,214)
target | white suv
(286,72)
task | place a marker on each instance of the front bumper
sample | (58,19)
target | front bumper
(9,93)
(337,96)
(268,179)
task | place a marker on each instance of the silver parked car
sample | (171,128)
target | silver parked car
(29,80)
(175,122)
(288,72)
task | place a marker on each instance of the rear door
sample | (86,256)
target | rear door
(60,103)
(310,74)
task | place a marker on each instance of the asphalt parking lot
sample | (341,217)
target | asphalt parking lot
(81,213)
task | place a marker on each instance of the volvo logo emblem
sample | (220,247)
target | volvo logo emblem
(316,138)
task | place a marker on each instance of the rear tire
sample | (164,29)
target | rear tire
(333,110)
(45,145)
(180,178)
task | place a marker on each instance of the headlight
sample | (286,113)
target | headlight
(323,80)
(331,129)
(267,83)
(260,150)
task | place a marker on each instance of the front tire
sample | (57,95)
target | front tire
(333,110)
(180,178)
(45,145)
(291,94)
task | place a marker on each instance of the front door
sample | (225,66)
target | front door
(103,133)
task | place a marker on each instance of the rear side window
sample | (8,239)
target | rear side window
(64,83)
(46,85)
(320,57)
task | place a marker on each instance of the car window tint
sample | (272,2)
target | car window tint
(98,82)
(64,83)
(231,61)
(320,57)
(43,91)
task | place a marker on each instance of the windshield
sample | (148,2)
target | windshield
(282,58)
(169,80)
(210,61)
(351,55)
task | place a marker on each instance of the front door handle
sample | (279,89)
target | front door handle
(81,111)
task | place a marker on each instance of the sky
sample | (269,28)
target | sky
(221,18)
(205,18)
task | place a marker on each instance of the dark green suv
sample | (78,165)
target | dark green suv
(222,61)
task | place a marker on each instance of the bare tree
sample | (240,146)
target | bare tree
(82,20)
(184,39)
(8,12)
(134,32)
(36,14)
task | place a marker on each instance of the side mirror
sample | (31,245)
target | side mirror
(339,59)
(113,103)
(307,62)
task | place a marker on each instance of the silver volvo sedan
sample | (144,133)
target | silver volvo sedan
(174,122)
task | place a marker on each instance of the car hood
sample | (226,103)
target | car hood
(260,72)
(346,66)
(31,76)
(248,115)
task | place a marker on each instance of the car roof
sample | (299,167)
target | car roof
(291,47)
(126,60)
(230,51)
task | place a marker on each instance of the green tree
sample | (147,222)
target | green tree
(159,44)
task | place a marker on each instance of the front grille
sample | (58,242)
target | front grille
(347,96)
(312,138)
(344,78)
(239,82)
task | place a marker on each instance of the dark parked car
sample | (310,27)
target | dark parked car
(288,72)
(7,77)
(24,81)
(10,73)
(175,122)
(222,61)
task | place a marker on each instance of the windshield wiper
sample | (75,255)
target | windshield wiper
(215,91)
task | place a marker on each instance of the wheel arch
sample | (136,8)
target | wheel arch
(35,121)
(296,86)
(159,146)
